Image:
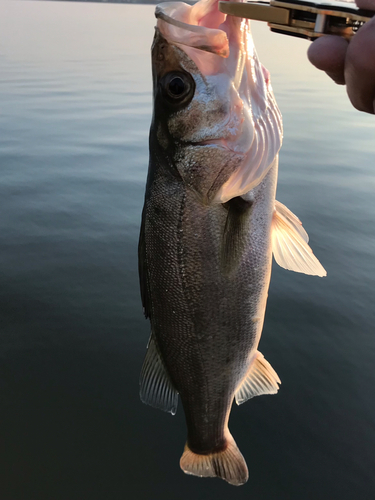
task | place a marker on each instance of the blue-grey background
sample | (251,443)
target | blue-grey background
(75,107)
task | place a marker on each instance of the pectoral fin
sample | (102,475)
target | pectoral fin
(290,244)
(156,388)
(235,236)
(260,379)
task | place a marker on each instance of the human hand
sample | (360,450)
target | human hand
(351,64)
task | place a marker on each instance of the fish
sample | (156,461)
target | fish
(210,224)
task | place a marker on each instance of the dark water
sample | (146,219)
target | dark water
(74,115)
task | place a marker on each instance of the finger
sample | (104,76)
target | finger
(360,68)
(366,4)
(328,54)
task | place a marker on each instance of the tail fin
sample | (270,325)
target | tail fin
(228,464)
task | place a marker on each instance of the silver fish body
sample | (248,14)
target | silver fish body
(205,253)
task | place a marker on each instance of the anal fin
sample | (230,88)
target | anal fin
(156,388)
(260,379)
(290,244)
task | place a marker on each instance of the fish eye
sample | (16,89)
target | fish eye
(178,87)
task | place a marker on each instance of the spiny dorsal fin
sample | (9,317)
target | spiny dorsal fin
(260,379)
(292,219)
(156,388)
(289,244)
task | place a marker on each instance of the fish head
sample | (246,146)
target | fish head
(195,118)
(215,120)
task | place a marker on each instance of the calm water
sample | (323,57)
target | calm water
(75,104)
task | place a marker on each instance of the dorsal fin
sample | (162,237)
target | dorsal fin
(156,388)
(292,219)
(289,244)
(260,379)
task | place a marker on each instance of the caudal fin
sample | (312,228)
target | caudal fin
(228,464)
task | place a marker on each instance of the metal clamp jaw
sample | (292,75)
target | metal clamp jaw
(302,18)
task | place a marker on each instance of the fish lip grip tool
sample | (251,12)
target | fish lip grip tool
(303,18)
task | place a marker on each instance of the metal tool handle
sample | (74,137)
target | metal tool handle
(302,18)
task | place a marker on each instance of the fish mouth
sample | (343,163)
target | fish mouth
(198,26)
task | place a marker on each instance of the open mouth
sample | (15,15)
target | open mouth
(196,26)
